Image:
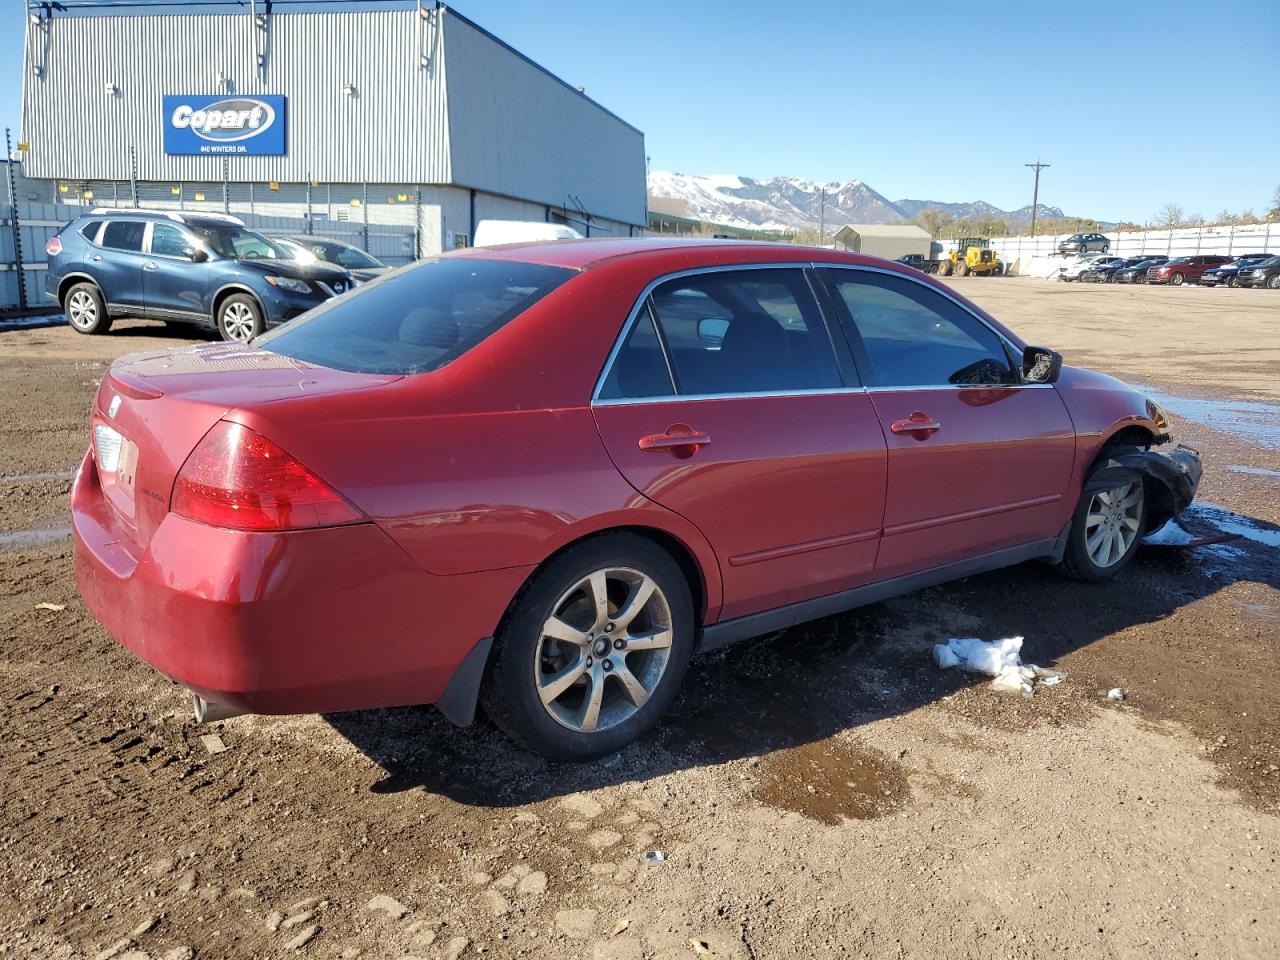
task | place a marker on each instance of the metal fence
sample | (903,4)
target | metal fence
(25,228)
(1182,242)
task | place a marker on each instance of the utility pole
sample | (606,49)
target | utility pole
(1035,196)
(822,217)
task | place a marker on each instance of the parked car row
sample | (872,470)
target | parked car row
(1246,270)
(195,268)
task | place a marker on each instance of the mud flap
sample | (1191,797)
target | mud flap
(458,703)
(1171,475)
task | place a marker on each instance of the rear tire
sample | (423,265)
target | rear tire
(589,687)
(239,318)
(1106,529)
(86,310)
(944,268)
(962,269)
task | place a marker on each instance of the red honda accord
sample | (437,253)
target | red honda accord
(540,477)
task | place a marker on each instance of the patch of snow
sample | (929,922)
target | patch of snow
(1170,535)
(1115,694)
(1254,471)
(40,320)
(1001,659)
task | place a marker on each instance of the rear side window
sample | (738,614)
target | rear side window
(640,368)
(416,320)
(90,230)
(749,331)
(124,235)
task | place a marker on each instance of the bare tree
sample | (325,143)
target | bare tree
(933,220)
(1275,206)
(1226,217)
(1170,215)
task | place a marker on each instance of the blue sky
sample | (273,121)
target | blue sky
(1135,105)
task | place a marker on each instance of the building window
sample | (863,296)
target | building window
(461,241)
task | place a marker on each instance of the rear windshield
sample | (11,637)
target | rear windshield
(418,319)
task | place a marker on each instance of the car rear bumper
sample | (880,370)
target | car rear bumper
(310,621)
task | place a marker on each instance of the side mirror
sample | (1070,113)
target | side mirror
(1041,365)
(195,254)
(711,331)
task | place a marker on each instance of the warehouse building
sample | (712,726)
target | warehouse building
(890,241)
(402,120)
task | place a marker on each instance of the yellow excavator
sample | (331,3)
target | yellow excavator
(972,255)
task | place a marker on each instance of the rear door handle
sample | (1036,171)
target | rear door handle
(682,439)
(96,257)
(920,425)
(150,265)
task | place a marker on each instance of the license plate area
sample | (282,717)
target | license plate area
(117,460)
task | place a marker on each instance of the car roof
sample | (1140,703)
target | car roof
(587,253)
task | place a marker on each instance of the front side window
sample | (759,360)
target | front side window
(168,241)
(913,336)
(746,331)
(238,243)
(124,235)
(418,319)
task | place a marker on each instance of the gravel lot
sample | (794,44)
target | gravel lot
(826,793)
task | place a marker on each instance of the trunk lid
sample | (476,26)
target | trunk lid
(153,408)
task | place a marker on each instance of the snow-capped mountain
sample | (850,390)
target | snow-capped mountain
(790,203)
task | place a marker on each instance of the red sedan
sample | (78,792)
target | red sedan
(542,476)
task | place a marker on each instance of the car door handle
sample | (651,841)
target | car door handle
(679,438)
(920,425)
(96,257)
(150,265)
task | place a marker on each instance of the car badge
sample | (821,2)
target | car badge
(114,407)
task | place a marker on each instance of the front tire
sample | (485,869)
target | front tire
(1273,283)
(1177,279)
(593,650)
(1106,529)
(86,310)
(239,318)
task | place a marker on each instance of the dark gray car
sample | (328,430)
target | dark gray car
(363,266)
(1085,243)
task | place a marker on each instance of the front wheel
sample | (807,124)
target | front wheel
(594,649)
(1105,531)
(962,269)
(239,318)
(1177,279)
(1273,283)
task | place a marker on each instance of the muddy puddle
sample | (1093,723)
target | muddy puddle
(33,538)
(1250,420)
(830,781)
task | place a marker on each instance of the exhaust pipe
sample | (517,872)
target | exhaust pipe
(208,712)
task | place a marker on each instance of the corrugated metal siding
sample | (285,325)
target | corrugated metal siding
(394,130)
(517,131)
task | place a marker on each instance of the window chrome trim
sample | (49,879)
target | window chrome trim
(758,395)
(642,302)
(950,296)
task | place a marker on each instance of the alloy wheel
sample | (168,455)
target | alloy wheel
(603,650)
(238,321)
(1111,523)
(82,310)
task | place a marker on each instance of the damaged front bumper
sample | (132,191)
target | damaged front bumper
(1171,476)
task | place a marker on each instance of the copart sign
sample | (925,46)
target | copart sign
(252,126)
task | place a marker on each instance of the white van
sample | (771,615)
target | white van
(492,232)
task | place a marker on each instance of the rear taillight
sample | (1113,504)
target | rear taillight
(239,479)
(54,246)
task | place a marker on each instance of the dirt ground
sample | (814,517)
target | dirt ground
(824,793)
